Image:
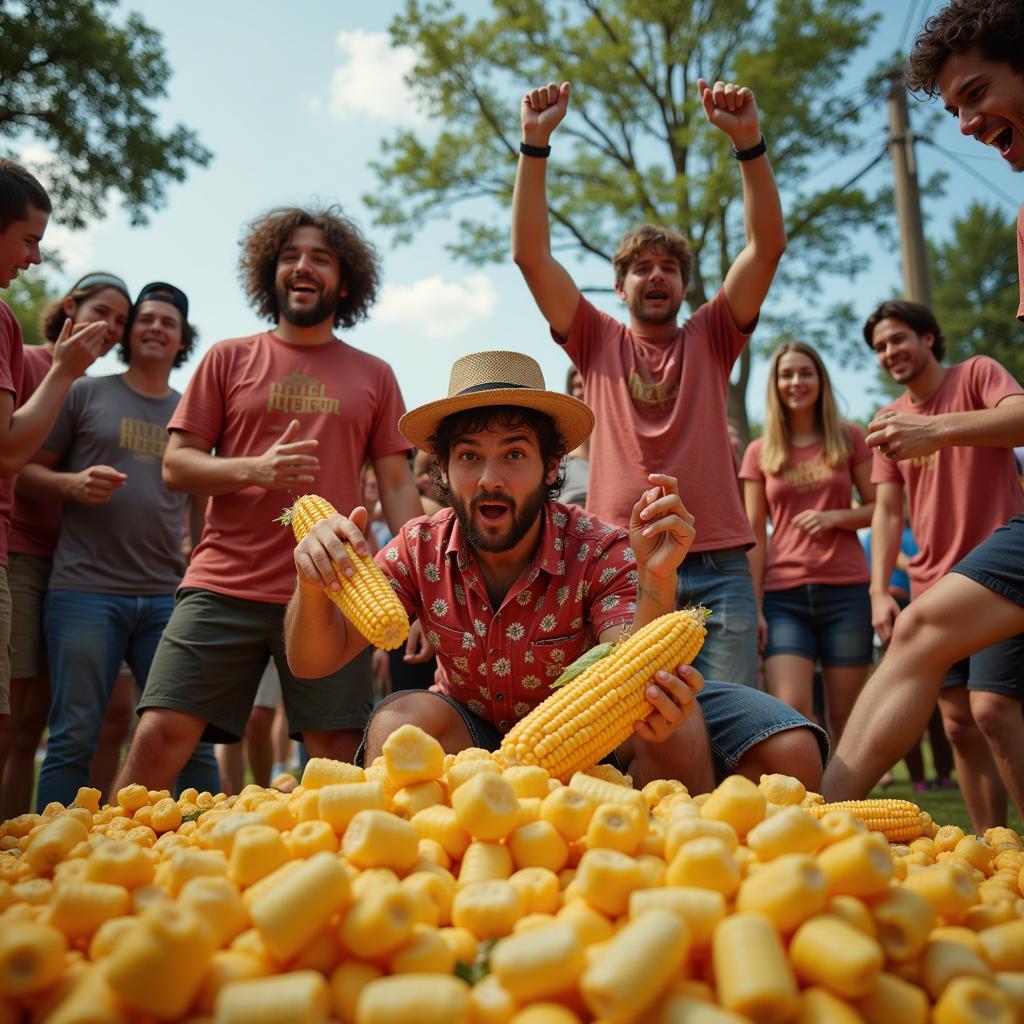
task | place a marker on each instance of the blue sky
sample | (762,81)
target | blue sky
(294,100)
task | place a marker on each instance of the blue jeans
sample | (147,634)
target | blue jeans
(88,635)
(720,581)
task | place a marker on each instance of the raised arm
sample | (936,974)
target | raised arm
(288,464)
(732,109)
(552,288)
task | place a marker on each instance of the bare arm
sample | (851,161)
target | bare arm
(757,512)
(287,464)
(399,495)
(23,431)
(733,111)
(886,531)
(94,485)
(549,282)
(814,520)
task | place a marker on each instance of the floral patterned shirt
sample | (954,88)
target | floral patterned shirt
(499,662)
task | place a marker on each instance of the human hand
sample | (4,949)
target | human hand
(762,633)
(904,435)
(321,557)
(884,610)
(815,520)
(288,463)
(418,649)
(95,485)
(77,348)
(731,109)
(542,111)
(673,697)
(660,529)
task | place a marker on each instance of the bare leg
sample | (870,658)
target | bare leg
(1000,721)
(339,745)
(258,747)
(20,732)
(983,790)
(791,752)
(280,738)
(685,755)
(164,741)
(232,767)
(942,752)
(953,619)
(790,677)
(117,723)
(843,684)
(418,707)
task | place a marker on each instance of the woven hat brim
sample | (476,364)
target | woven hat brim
(574,419)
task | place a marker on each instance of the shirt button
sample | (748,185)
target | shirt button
(484,607)
(499,696)
(503,724)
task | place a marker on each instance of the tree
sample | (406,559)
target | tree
(640,148)
(975,289)
(83,86)
(28,297)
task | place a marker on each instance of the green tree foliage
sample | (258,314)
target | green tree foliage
(635,145)
(975,290)
(74,80)
(28,296)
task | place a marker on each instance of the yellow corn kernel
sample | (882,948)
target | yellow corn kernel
(857,866)
(88,798)
(788,890)
(372,879)
(898,820)
(322,953)
(706,863)
(702,910)
(219,833)
(411,756)
(31,958)
(34,891)
(485,862)
(410,799)
(569,811)
(379,922)
(276,813)
(942,961)
(257,850)
(1003,945)
(217,901)
(132,797)
(462,771)
(791,830)
(669,807)
(434,891)
(828,951)
(1011,984)
(489,1003)
(736,801)
(488,909)
(137,966)
(226,967)
(379,839)
(440,824)
(147,895)
(681,1007)
(345,983)
(659,789)
(82,997)
(486,806)
(339,803)
(251,944)
(538,844)
(282,999)
(683,829)
(291,913)
(951,892)
(947,837)
(957,933)
(528,780)
(983,916)
(366,599)
(425,951)
(185,864)
(973,999)
(324,771)
(782,789)
(539,963)
(600,791)
(752,974)
(905,919)
(424,998)
(79,908)
(617,826)
(106,937)
(605,879)
(268,883)
(73,869)
(309,837)
(819,1006)
(433,852)
(894,1000)
(47,847)
(539,886)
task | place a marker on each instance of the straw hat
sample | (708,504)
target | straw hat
(499,378)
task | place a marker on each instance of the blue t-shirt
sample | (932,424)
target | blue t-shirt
(908,547)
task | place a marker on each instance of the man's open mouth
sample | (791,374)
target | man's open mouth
(491,511)
(303,287)
(1000,136)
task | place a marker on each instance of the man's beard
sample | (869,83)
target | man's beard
(323,310)
(669,316)
(523,518)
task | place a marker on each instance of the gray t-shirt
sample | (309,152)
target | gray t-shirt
(131,545)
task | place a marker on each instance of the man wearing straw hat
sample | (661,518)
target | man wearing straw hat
(511,586)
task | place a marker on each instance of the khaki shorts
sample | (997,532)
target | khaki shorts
(5,643)
(28,577)
(212,655)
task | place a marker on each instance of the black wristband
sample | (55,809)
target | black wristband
(753,153)
(539,151)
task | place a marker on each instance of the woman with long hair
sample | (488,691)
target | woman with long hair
(811,576)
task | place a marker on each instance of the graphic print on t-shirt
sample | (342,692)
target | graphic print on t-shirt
(925,461)
(301,393)
(807,475)
(146,441)
(652,395)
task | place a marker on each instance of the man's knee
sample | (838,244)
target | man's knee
(998,717)
(434,716)
(791,752)
(958,721)
(162,728)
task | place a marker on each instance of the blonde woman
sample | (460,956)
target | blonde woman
(811,576)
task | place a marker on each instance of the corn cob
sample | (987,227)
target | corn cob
(593,713)
(898,820)
(366,600)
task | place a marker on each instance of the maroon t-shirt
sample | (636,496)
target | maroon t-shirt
(11,370)
(1020,260)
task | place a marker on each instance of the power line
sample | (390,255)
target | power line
(907,22)
(977,175)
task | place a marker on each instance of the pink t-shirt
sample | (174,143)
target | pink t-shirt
(242,396)
(35,525)
(808,481)
(661,407)
(957,496)
(11,370)
(1020,260)
(500,662)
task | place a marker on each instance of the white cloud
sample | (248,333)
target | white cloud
(370,81)
(438,308)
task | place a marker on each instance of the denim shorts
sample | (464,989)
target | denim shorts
(820,622)
(737,718)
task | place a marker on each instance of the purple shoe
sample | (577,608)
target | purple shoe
(921,787)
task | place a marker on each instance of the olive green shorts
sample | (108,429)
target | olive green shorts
(5,643)
(28,577)
(211,658)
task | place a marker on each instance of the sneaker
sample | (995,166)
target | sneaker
(921,787)
(946,783)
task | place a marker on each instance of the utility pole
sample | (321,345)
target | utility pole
(916,285)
